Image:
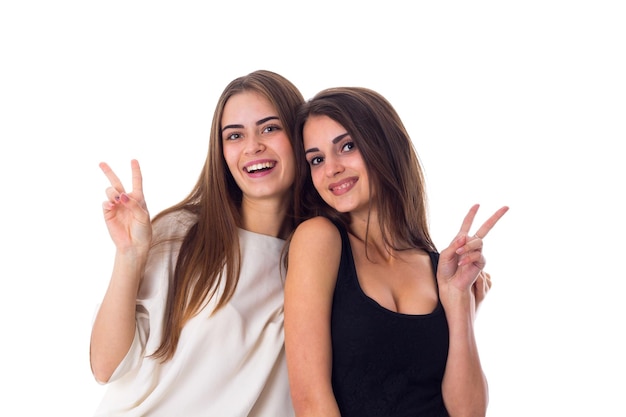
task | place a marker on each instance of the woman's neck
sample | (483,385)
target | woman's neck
(265,216)
(368,232)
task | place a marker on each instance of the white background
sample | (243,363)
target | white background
(516,103)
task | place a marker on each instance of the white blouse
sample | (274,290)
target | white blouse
(229,364)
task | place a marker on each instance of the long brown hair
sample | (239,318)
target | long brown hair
(393,166)
(209,253)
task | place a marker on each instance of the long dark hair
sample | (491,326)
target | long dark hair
(393,166)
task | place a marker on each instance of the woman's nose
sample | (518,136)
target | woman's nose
(254,145)
(333,167)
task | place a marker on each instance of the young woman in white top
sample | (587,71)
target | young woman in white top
(192,321)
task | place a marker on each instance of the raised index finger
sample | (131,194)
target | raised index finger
(113,179)
(491,221)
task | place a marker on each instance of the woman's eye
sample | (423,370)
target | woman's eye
(348,146)
(271,128)
(232,136)
(316,160)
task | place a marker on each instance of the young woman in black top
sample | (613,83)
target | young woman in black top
(377,321)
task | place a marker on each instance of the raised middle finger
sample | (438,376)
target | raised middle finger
(491,221)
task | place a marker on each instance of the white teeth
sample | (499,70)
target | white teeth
(342,186)
(257,167)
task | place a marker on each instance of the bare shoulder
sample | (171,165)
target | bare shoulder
(315,247)
(317,230)
(313,260)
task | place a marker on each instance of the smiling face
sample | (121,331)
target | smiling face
(256,147)
(337,168)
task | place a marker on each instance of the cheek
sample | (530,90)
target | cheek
(290,171)
(230,156)
(288,157)
(316,176)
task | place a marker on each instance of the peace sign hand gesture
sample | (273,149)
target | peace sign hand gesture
(126,214)
(462,261)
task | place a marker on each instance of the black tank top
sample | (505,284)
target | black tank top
(385,364)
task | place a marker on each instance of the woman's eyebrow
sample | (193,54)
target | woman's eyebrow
(338,138)
(266,119)
(334,141)
(232,127)
(260,122)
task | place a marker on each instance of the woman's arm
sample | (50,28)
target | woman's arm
(464,387)
(128,222)
(314,255)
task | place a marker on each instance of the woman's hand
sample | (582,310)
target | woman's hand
(461,263)
(126,214)
(481,287)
